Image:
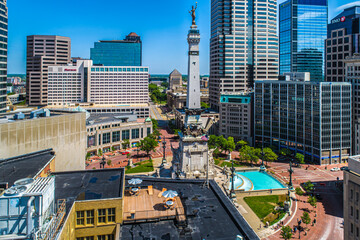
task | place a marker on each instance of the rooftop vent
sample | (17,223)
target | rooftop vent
(19,116)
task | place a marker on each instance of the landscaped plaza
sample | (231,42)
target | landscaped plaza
(261,197)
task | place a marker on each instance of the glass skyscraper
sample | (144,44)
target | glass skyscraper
(302,34)
(3,53)
(127,52)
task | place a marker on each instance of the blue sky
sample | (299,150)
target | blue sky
(162,24)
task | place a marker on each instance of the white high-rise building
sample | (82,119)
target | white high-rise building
(101,85)
(243,49)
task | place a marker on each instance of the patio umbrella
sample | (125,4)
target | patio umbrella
(170,194)
(135,181)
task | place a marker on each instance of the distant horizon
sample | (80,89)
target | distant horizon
(163,28)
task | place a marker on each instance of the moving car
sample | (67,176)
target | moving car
(344,168)
(335,169)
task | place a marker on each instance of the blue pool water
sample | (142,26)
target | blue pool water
(256,181)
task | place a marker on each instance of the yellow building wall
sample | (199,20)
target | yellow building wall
(65,133)
(71,231)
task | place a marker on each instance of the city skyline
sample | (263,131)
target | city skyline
(159,34)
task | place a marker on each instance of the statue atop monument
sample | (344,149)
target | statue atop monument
(193,15)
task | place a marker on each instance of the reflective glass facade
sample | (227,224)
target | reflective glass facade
(303,30)
(3,53)
(307,117)
(126,52)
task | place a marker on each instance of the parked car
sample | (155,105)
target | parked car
(125,153)
(335,169)
(344,168)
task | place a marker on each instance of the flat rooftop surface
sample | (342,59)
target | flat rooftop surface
(24,166)
(99,118)
(209,214)
(89,185)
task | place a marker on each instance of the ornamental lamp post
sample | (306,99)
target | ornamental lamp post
(232,191)
(262,167)
(164,156)
(291,171)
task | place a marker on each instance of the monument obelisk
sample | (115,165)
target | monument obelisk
(192,158)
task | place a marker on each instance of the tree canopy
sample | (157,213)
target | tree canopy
(300,158)
(148,144)
(286,232)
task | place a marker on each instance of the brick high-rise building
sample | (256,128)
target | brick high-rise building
(43,51)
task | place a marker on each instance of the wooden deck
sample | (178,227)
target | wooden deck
(146,208)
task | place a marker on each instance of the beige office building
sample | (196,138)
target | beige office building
(43,51)
(351,199)
(65,132)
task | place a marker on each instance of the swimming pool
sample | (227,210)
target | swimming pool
(255,180)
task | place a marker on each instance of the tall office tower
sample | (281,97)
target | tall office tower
(310,118)
(243,49)
(342,40)
(43,51)
(302,33)
(3,53)
(127,52)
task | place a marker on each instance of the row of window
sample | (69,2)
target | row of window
(87,218)
(98,237)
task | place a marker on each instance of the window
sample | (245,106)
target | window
(85,238)
(102,215)
(111,215)
(125,134)
(148,131)
(106,237)
(351,194)
(116,136)
(351,211)
(106,138)
(135,133)
(80,218)
(90,217)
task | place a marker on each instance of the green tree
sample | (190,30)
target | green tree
(286,232)
(285,152)
(204,105)
(112,149)
(306,218)
(109,162)
(222,142)
(165,84)
(213,142)
(155,134)
(298,191)
(148,144)
(241,143)
(269,155)
(152,87)
(230,145)
(126,144)
(308,186)
(300,158)
(312,201)
(155,124)
(100,152)
(128,155)
(249,153)
(88,155)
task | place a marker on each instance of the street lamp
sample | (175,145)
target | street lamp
(102,163)
(232,191)
(291,171)
(164,148)
(262,167)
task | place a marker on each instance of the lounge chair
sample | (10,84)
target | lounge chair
(160,193)
(150,190)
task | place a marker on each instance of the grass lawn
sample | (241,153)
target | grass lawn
(146,166)
(262,205)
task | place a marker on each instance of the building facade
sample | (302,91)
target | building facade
(352,75)
(106,132)
(351,199)
(98,85)
(310,118)
(236,117)
(243,49)
(302,32)
(43,51)
(3,53)
(127,52)
(342,41)
(65,132)
(175,80)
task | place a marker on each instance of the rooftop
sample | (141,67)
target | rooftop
(24,166)
(99,118)
(204,208)
(89,185)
